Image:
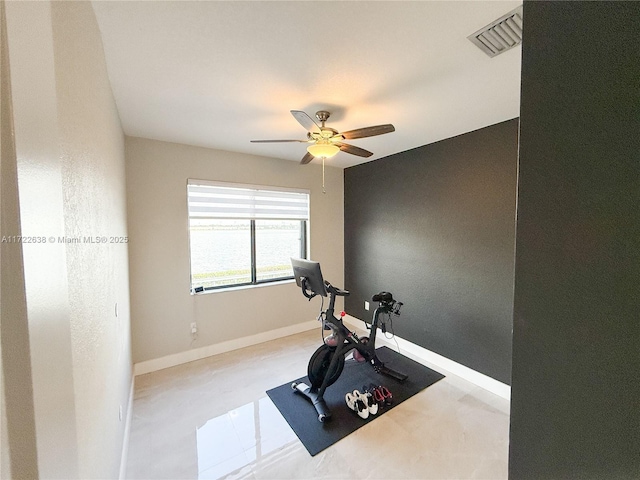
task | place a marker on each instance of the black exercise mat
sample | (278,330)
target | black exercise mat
(303,418)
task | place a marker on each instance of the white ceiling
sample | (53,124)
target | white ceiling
(221,73)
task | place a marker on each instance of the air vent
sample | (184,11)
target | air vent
(501,35)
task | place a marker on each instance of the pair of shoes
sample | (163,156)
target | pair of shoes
(361,403)
(358,403)
(371,402)
(381,394)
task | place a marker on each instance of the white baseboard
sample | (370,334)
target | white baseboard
(127,431)
(437,362)
(411,350)
(209,350)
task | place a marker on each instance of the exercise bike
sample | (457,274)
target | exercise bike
(327,362)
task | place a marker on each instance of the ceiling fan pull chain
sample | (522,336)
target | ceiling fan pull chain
(323,190)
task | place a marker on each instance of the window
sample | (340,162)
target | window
(244,235)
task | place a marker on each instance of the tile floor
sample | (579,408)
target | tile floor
(212,419)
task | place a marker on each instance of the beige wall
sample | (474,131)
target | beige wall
(93,184)
(161,305)
(17,422)
(70,162)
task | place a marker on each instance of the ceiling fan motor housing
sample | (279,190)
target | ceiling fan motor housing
(323,116)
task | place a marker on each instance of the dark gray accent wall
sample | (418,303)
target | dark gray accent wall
(435,226)
(575,410)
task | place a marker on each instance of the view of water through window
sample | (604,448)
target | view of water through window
(221,250)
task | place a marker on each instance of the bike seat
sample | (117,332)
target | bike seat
(382,297)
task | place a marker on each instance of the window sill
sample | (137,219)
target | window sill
(243,287)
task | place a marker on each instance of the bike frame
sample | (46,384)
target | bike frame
(346,341)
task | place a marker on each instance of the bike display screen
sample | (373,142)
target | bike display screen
(309,270)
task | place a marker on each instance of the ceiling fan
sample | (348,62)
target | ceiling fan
(325,142)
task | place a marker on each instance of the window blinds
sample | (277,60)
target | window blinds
(209,200)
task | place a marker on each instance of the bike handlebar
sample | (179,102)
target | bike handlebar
(337,291)
(307,292)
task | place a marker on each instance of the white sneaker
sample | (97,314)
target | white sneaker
(369,401)
(358,403)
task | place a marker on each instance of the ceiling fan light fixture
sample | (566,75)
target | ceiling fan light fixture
(326,150)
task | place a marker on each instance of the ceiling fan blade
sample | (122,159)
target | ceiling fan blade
(277,141)
(368,131)
(305,120)
(306,159)
(353,150)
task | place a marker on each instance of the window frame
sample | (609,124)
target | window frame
(304,234)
